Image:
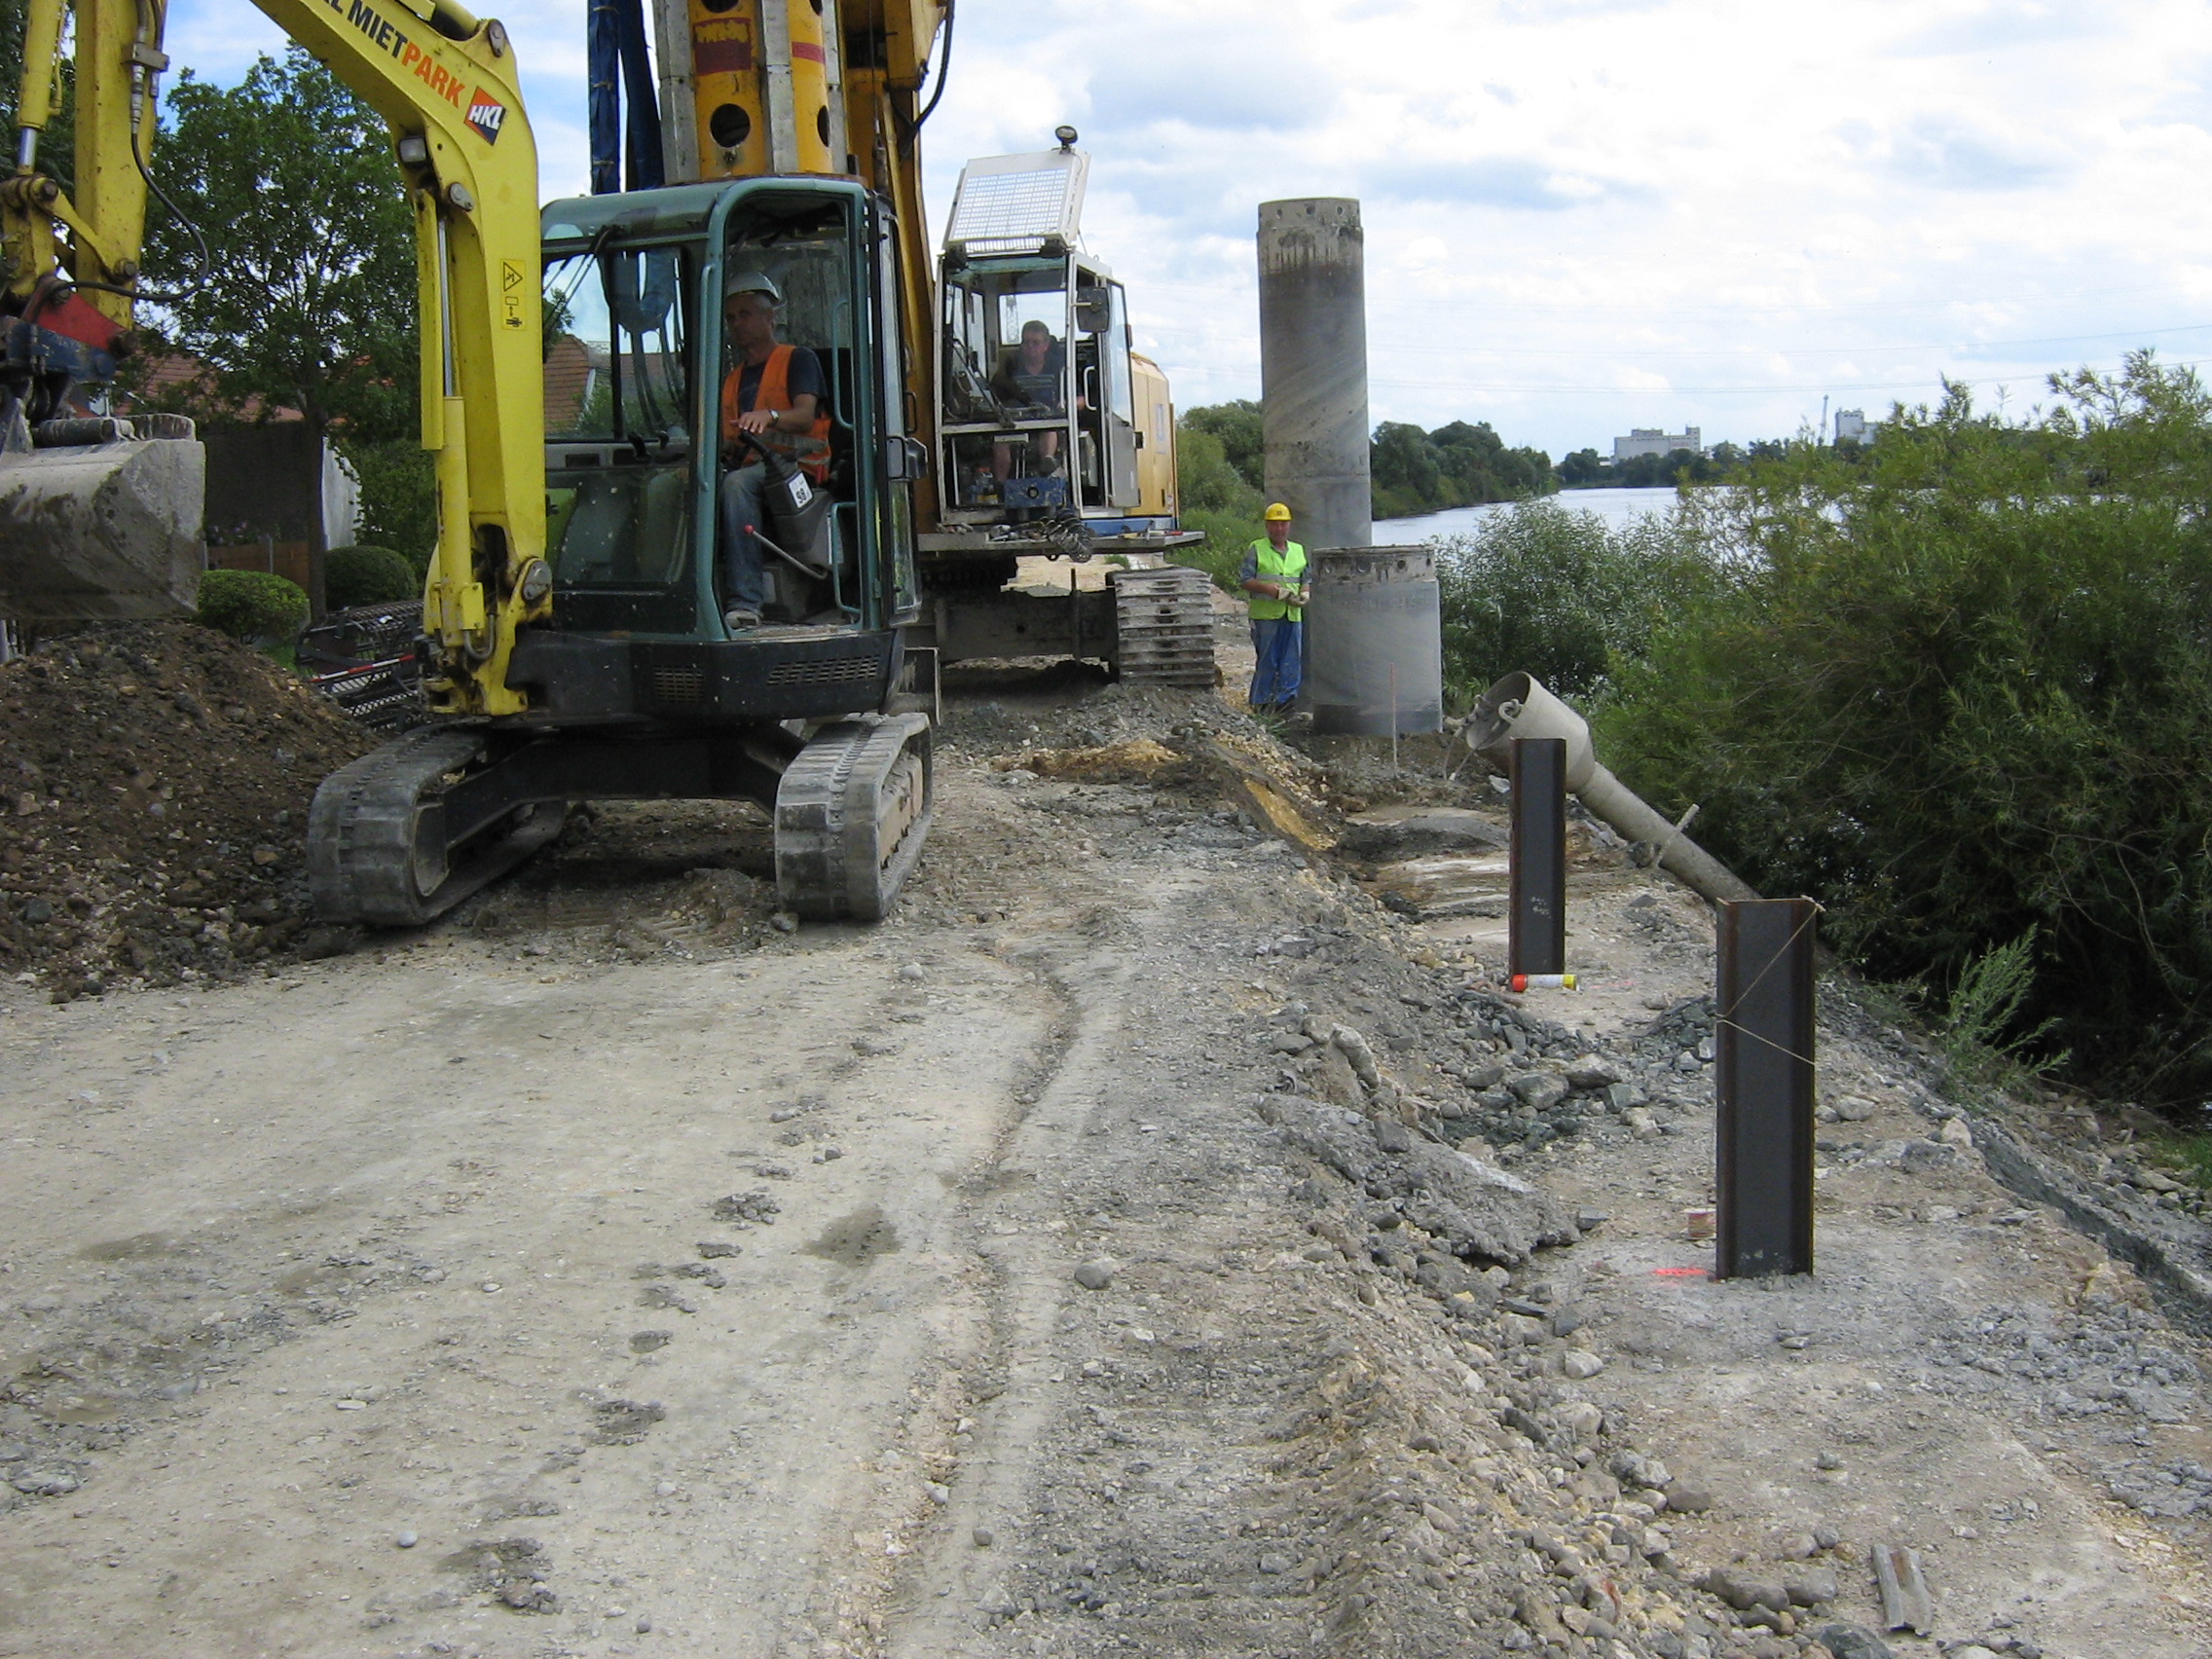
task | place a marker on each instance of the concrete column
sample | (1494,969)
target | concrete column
(1314,367)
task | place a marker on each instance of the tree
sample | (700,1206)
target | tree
(309,301)
(1242,434)
(1559,594)
(1404,470)
(1959,689)
(1582,469)
(399,495)
(1213,498)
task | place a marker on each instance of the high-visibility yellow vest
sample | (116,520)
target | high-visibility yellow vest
(1286,567)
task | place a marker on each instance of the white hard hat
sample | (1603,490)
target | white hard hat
(753,282)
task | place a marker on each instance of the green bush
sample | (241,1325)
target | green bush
(1558,593)
(251,605)
(1959,689)
(1239,428)
(1221,555)
(367,575)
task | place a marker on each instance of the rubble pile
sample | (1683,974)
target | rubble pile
(154,788)
(1515,1079)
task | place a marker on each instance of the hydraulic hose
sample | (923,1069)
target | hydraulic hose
(159,11)
(943,70)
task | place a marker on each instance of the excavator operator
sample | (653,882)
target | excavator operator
(775,392)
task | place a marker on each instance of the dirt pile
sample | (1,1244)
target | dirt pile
(154,788)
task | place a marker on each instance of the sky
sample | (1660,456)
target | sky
(1587,215)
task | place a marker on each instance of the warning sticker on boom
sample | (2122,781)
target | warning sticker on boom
(512,294)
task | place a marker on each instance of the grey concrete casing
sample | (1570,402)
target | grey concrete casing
(1313,368)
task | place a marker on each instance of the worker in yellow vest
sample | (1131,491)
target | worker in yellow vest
(1274,576)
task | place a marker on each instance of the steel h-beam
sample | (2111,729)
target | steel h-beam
(1536,936)
(1763,1029)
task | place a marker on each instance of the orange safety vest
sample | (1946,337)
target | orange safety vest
(775,392)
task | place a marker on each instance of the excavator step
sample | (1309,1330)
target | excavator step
(852,812)
(1163,621)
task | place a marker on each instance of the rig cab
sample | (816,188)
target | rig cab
(1055,436)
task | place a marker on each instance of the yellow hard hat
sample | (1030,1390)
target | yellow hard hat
(1277,513)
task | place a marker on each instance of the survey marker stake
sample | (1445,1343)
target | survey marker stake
(1536,936)
(1764,1065)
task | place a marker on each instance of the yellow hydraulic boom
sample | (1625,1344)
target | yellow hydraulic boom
(115,115)
(446,85)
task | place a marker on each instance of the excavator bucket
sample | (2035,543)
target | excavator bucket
(100,530)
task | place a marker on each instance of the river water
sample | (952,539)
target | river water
(1618,507)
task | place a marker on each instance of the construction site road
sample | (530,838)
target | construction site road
(610,1270)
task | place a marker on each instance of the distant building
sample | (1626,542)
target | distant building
(1852,426)
(1656,440)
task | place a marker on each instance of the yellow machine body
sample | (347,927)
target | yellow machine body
(1156,422)
(760,87)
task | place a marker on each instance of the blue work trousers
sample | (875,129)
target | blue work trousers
(1277,646)
(745,585)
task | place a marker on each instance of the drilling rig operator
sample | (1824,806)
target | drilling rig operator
(1032,377)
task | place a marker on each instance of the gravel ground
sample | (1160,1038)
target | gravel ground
(1148,1242)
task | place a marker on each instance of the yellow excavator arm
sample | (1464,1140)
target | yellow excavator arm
(447,86)
(115,112)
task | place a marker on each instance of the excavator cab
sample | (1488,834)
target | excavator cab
(636,457)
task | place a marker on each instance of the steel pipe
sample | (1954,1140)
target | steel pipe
(1764,1087)
(1516,706)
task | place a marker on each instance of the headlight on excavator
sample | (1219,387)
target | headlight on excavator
(536,581)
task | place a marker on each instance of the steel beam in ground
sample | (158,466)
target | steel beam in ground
(1537,933)
(1763,1078)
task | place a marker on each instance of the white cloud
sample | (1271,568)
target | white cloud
(1586,215)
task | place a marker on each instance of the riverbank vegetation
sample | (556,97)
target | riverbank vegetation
(1215,495)
(1955,683)
(1957,687)
(1559,594)
(1463,464)
(1221,469)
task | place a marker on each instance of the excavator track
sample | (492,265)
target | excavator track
(1163,627)
(852,812)
(380,848)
